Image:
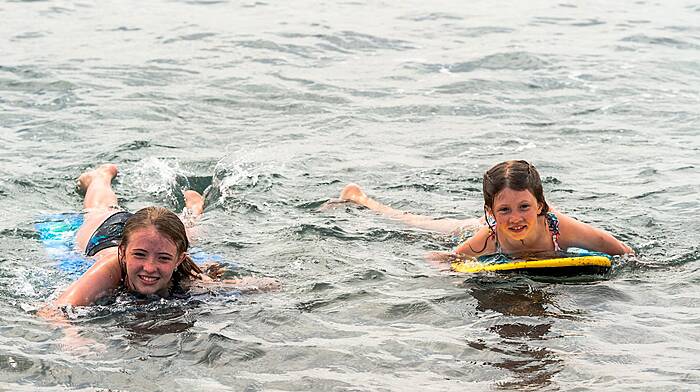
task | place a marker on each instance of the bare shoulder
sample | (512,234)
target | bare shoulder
(574,233)
(99,280)
(111,265)
(570,229)
(570,225)
(478,244)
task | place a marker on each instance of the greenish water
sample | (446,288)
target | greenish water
(271,108)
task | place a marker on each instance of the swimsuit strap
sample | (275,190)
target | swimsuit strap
(491,222)
(553,223)
(493,235)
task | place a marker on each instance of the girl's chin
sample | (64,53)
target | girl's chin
(146,287)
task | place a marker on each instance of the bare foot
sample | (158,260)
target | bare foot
(105,172)
(353,193)
(195,202)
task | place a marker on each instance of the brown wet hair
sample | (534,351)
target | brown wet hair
(167,223)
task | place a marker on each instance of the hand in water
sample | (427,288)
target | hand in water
(71,342)
(213,270)
(442,260)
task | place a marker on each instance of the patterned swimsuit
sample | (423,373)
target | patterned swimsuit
(108,234)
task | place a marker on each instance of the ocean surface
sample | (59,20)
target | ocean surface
(271,107)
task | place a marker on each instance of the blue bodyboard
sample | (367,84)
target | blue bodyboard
(57,234)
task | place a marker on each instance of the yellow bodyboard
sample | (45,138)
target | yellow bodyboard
(578,261)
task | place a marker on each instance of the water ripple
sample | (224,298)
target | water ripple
(662,41)
(519,61)
(268,108)
(297,50)
(432,16)
(351,41)
(189,37)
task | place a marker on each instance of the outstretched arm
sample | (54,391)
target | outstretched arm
(247,284)
(582,235)
(353,193)
(101,279)
(479,244)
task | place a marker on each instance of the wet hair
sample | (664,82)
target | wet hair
(516,175)
(167,223)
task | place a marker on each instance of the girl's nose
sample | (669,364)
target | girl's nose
(149,265)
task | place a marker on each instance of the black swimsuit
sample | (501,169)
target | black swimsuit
(108,234)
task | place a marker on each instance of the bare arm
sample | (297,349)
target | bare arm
(479,244)
(101,279)
(246,284)
(574,233)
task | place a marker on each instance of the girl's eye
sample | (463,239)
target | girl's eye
(503,210)
(524,206)
(139,254)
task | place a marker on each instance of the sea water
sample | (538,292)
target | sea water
(271,107)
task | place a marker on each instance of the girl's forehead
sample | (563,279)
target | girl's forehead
(507,195)
(149,234)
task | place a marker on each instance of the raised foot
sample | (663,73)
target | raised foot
(105,172)
(194,201)
(352,192)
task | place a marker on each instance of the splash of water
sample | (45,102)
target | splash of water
(158,177)
(239,171)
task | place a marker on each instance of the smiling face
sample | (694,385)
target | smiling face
(150,259)
(516,213)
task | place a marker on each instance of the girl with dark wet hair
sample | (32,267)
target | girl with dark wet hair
(517,218)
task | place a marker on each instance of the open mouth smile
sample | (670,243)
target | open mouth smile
(518,229)
(148,280)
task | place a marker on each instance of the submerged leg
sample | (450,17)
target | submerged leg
(353,193)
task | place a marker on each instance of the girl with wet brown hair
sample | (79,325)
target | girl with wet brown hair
(517,218)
